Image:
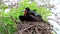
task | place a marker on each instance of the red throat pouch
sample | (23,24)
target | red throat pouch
(25,13)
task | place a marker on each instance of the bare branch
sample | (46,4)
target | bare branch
(37,30)
(13,19)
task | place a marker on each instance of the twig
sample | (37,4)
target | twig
(19,32)
(37,30)
(13,19)
(26,28)
(29,32)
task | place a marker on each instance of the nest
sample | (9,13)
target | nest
(33,28)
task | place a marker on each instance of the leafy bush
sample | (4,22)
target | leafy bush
(7,25)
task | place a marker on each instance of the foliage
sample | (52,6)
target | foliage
(33,5)
(44,13)
(41,10)
(8,26)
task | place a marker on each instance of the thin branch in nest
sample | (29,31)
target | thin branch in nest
(19,32)
(29,32)
(26,28)
(37,30)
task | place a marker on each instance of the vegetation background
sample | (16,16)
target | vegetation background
(9,20)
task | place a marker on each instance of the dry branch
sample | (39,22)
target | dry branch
(26,28)
(37,30)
